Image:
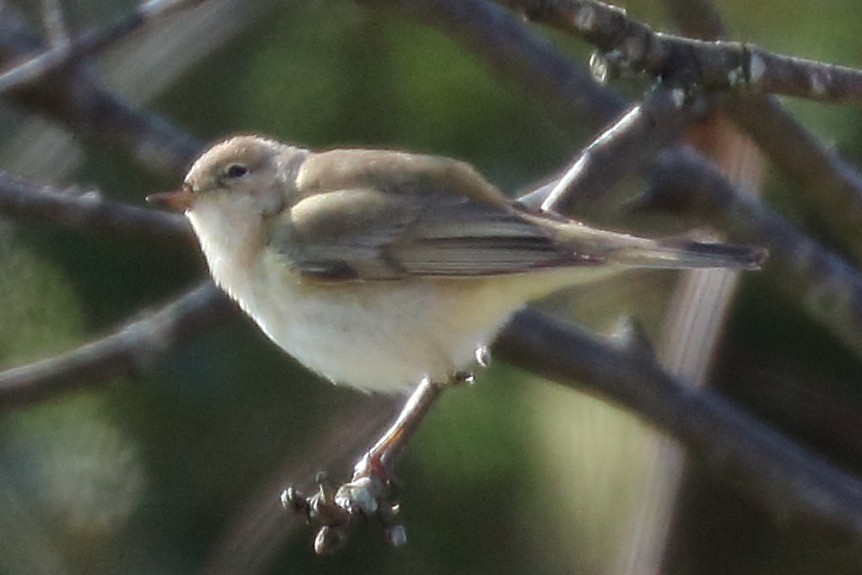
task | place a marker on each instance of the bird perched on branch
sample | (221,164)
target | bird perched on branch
(377,269)
(387,271)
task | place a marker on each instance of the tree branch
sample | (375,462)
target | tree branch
(827,288)
(87,211)
(90,42)
(76,99)
(518,55)
(628,44)
(629,146)
(792,483)
(131,347)
(833,184)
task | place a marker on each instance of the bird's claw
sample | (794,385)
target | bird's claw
(371,491)
(335,512)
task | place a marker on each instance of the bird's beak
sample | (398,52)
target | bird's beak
(180,200)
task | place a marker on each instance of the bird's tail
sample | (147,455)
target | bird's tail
(590,244)
(685,253)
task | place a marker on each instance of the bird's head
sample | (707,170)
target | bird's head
(242,173)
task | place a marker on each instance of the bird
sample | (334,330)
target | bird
(379,269)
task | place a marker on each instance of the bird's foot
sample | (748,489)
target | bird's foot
(335,512)
(371,491)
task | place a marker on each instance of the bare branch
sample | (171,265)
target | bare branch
(36,68)
(132,347)
(78,100)
(629,146)
(517,55)
(791,482)
(833,184)
(827,288)
(714,65)
(87,211)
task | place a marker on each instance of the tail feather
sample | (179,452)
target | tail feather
(685,253)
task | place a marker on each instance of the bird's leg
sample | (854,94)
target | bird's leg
(379,459)
(371,491)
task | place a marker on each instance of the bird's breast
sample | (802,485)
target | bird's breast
(377,336)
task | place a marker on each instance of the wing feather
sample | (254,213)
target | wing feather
(365,234)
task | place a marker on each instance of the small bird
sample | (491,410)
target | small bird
(379,269)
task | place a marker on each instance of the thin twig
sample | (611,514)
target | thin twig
(629,146)
(739,67)
(88,211)
(134,346)
(518,55)
(79,101)
(36,68)
(833,183)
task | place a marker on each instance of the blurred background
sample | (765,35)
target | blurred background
(178,470)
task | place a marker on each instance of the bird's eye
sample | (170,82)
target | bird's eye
(236,171)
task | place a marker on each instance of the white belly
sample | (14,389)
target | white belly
(375,336)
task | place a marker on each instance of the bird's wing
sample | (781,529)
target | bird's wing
(397,173)
(368,234)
